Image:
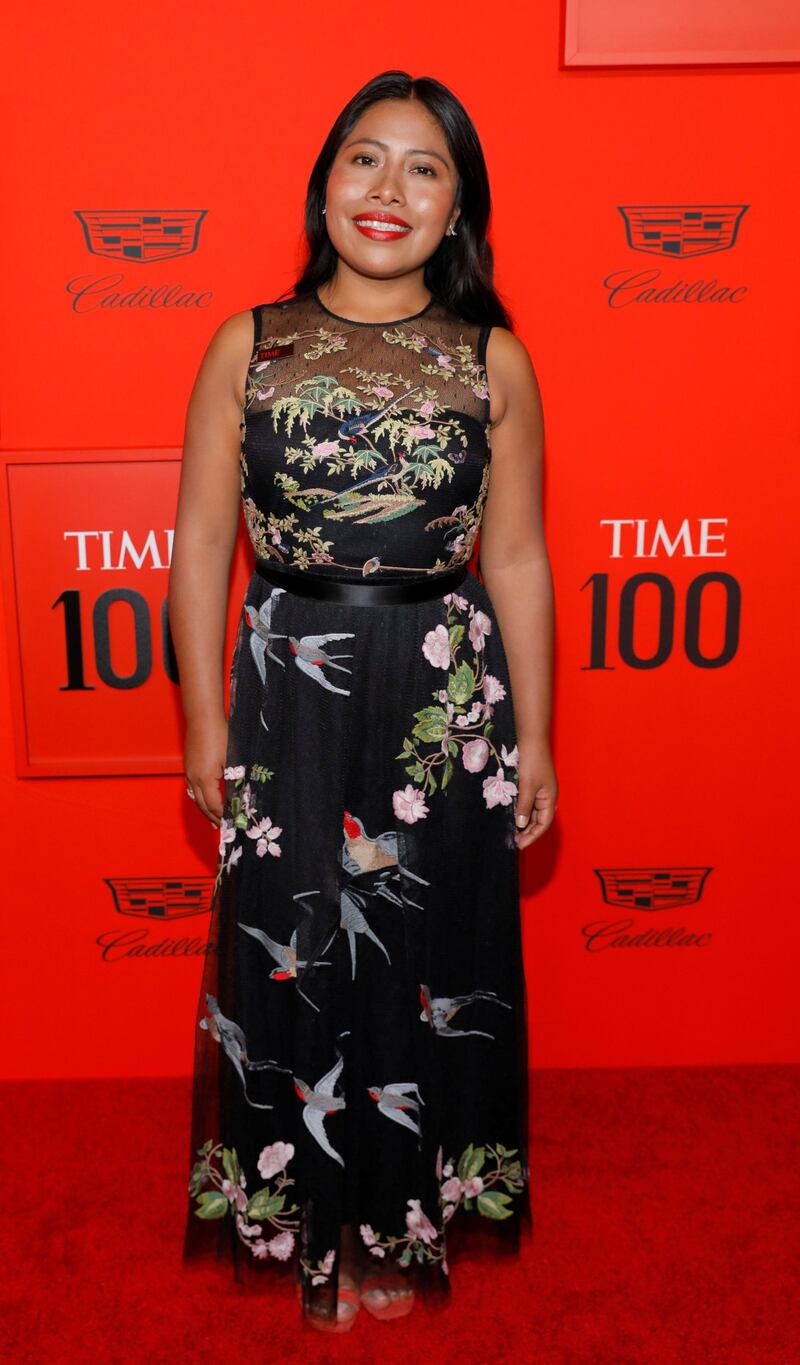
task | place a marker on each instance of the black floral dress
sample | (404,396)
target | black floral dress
(361,1048)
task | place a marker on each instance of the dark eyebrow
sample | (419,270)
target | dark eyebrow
(410,151)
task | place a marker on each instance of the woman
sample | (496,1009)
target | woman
(360,1070)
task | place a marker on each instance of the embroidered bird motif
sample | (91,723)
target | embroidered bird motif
(285,955)
(358,425)
(439,1010)
(311,658)
(232,1038)
(319,1103)
(395,1100)
(262,633)
(365,853)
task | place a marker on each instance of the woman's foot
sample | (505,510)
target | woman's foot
(386,1294)
(348,1302)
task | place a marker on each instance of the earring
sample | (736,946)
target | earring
(323,210)
(451,232)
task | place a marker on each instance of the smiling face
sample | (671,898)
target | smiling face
(391,191)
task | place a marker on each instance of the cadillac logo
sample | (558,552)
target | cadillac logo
(681,230)
(161,897)
(651,888)
(141,235)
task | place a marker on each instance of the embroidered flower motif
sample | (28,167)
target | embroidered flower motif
(472,1185)
(436,647)
(281,1246)
(409,804)
(465,706)
(475,755)
(275,1158)
(267,835)
(493,689)
(497,791)
(479,628)
(418,1224)
(219,1192)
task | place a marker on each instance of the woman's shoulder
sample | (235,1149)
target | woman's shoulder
(509,371)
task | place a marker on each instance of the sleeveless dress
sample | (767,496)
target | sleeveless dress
(360,1049)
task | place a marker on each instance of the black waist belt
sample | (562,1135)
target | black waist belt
(363,592)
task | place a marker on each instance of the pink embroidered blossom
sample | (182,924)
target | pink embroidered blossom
(443,694)
(473,1187)
(234,773)
(281,1247)
(323,448)
(267,835)
(419,432)
(274,1158)
(479,627)
(327,1262)
(438,1167)
(409,804)
(493,689)
(235,1194)
(446,361)
(475,755)
(367,1235)
(427,409)
(451,1190)
(418,1224)
(512,758)
(377,1251)
(236,854)
(448,1170)
(248,1229)
(227,833)
(436,647)
(497,791)
(381,391)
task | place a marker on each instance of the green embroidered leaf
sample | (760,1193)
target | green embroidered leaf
(488,727)
(230,1163)
(513,1171)
(213,1204)
(431,784)
(263,1204)
(461,685)
(448,773)
(452,747)
(431,724)
(416,771)
(206,1147)
(456,634)
(493,1204)
(471,1162)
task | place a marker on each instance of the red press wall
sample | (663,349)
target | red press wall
(669,379)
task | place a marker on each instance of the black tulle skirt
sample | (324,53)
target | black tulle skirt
(360,1045)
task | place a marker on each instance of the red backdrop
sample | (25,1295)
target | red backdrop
(644,226)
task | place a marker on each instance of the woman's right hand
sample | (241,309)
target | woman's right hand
(204,753)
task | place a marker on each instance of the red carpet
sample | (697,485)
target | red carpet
(667,1233)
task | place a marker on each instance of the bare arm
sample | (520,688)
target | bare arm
(205,534)
(516,570)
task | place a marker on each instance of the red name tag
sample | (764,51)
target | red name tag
(274,352)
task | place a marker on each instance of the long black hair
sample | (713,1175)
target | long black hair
(460,271)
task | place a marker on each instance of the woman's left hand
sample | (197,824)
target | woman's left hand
(537,791)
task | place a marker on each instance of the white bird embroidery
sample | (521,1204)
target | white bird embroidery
(319,1103)
(311,658)
(439,1010)
(286,957)
(395,1099)
(232,1038)
(262,634)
